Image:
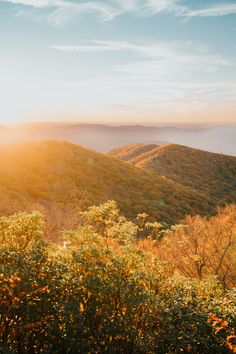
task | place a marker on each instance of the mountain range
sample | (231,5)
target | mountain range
(100,137)
(168,182)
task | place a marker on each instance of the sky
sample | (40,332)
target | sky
(129,61)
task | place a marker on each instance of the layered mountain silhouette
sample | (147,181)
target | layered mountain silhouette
(103,138)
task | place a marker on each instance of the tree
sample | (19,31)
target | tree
(204,246)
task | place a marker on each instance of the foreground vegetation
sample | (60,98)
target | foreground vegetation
(110,286)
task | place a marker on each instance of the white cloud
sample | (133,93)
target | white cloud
(69,10)
(219,10)
(161,73)
(94,46)
(65,10)
(156,6)
(36,3)
(174,52)
(104,46)
(62,11)
(147,7)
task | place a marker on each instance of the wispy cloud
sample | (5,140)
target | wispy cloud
(68,11)
(161,73)
(35,3)
(96,46)
(181,52)
(214,11)
(62,11)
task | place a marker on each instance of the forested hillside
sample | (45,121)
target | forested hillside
(212,174)
(61,178)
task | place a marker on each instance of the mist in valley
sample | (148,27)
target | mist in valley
(102,138)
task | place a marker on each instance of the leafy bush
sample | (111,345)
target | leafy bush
(98,292)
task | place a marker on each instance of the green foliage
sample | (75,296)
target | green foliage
(20,230)
(98,292)
(107,221)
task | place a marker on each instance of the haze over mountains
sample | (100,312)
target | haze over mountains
(217,138)
(165,180)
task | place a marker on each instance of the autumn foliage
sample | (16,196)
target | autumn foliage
(104,288)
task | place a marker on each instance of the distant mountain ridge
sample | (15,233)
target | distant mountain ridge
(103,138)
(209,173)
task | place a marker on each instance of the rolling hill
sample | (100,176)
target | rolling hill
(48,175)
(211,174)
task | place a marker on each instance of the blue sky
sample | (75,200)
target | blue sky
(150,61)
